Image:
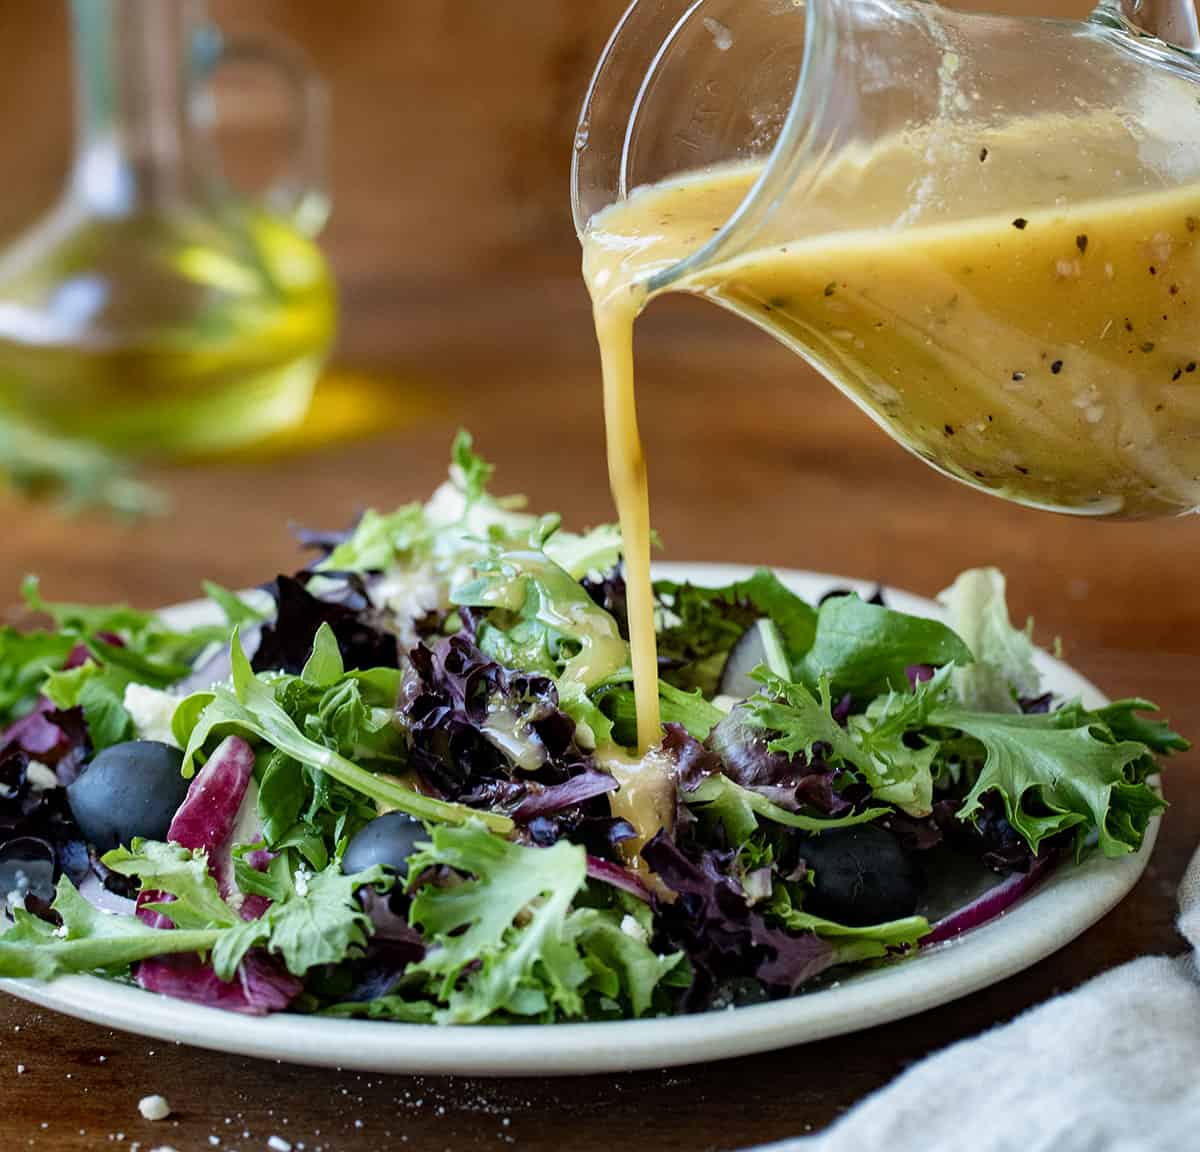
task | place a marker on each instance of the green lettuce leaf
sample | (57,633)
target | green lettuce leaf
(500,940)
(318,922)
(88,941)
(702,625)
(100,692)
(741,809)
(26,659)
(851,945)
(864,649)
(507,942)
(1004,668)
(1071,763)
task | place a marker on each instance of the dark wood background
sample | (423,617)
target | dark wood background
(458,268)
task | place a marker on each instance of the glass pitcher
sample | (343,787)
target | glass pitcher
(985,230)
(154,310)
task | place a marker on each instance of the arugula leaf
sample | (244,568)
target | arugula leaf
(864,649)
(26,659)
(237,611)
(851,945)
(500,941)
(1070,763)
(147,652)
(325,666)
(100,692)
(1003,669)
(251,708)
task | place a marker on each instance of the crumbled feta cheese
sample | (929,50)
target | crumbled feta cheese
(154,1107)
(20,1069)
(300,880)
(61,931)
(279,1144)
(409,595)
(633,929)
(151,711)
(40,776)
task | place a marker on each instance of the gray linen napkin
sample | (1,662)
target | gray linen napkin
(1112,1067)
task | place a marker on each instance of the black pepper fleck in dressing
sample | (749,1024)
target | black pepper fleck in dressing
(1081,243)
(1020,222)
(1056,367)
(983,155)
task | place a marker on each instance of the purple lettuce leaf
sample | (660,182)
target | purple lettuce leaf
(57,738)
(793,782)
(724,938)
(287,642)
(608,592)
(493,737)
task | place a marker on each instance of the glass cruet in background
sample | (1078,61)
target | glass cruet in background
(991,119)
(154,310)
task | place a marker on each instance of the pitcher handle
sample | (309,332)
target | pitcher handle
(1171,21)
(300,193)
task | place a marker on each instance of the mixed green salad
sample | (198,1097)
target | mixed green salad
(384,786)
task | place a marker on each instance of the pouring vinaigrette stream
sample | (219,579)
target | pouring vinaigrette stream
(1047,353)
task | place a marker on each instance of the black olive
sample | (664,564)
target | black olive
(388,840)
(27,869)
(861,876)
(128,790)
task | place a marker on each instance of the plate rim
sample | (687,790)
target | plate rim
(1019,938)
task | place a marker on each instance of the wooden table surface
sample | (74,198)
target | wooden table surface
(752,459)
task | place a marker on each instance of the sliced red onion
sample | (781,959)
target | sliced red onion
(994,902)
(610,873)
(94,892)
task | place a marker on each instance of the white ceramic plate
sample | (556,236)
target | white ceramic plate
(1060,909)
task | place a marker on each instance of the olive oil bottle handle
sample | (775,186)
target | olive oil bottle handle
(300,192)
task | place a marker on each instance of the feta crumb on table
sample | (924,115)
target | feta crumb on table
(154,1107)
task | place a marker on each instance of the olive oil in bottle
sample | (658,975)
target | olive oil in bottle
(154,310)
